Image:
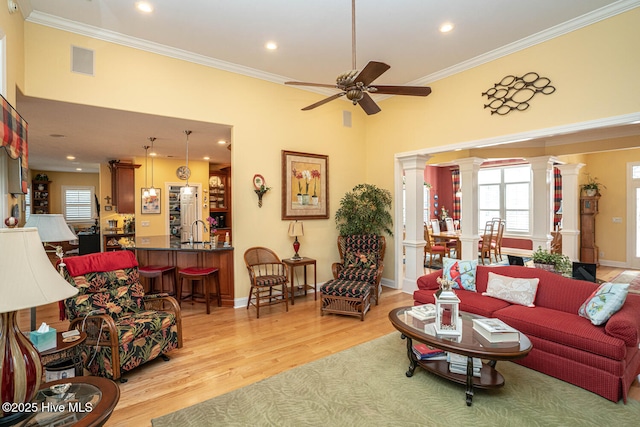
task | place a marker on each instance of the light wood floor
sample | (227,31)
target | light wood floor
(229,349)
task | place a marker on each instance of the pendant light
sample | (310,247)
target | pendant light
(145,190)
(187,190)
(152,189)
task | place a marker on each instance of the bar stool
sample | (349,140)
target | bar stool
(152,272)
(201,274)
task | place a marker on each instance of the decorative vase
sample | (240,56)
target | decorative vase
(214,240)
(305,199)
(591,192)
(40,187)
(314,200)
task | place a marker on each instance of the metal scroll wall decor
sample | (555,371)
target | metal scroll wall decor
(514,93)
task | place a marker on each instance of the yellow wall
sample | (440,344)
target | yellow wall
(58,179)
(266,119)
(592,69)
(610,168)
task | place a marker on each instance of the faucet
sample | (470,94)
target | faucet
(194,223)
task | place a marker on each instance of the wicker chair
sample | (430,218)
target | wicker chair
(266,273)
(356,277)
(125,328)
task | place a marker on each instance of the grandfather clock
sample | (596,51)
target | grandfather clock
(588,211)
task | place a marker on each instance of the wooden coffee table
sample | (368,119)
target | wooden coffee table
(469,344)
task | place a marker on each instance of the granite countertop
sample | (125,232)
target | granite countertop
(165,243)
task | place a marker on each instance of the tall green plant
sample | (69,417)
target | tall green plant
(365,210)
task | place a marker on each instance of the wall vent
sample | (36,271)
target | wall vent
(346,118)
(82,60)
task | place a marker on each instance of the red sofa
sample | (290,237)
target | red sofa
(602,359)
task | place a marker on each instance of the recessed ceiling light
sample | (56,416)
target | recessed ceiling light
(271,45)
(78,169)
(143,6)
(222,141)
(153,154)
(206,157)
(446,27)
(71,157)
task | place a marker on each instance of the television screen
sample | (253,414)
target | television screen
(584,271)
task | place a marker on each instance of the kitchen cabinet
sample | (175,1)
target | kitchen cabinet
(40,197)
(123,186)
(220,200)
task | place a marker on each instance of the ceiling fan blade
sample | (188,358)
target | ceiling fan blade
(333,86)
(368,104)
(402,90)
(372,71)
(324,101)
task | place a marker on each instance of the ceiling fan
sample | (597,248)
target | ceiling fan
(357,85)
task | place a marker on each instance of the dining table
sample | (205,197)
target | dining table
(448,236)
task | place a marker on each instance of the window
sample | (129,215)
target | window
(77,203)
(505,192)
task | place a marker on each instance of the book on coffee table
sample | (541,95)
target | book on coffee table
(427,352)
(495,330)
(423,312)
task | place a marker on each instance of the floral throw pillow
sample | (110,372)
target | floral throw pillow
(512,289)
(361,259)
(462,273)
(604,302)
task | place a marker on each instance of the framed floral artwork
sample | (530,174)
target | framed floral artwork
(150,204)
(305,185)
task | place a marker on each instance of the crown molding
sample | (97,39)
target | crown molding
(48,20)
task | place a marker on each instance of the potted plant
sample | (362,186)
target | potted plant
(549,261)
(592,187)
(365,210)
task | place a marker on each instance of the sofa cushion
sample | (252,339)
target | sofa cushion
(345,288)
(563,328)
(462,273)
(554,290)
(512,289)
(604,302)
(471,302)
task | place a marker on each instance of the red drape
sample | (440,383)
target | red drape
(557,196)
(455,179)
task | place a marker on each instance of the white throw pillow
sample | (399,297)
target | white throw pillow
(512,289)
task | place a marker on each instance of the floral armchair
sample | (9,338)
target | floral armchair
(362,260)
(125,328)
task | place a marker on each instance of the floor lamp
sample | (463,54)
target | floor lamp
(51,228)
(28,280)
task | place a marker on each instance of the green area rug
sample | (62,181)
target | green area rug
(366,386)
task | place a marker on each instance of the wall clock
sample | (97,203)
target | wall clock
(183,172)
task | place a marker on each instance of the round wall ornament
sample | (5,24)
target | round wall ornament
(258,181)
(183,172)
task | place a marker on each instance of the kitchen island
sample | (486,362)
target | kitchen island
(161,250)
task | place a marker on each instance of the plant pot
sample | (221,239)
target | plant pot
(548,267)
(299,198)
(591,192)
(305,199)
(314,200)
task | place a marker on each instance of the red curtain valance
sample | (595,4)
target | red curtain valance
(13,133)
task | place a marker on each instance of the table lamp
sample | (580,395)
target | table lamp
(28,280)
(296,229)
(52,228)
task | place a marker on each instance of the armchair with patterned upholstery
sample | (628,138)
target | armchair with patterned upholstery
(361,260)
(125,328)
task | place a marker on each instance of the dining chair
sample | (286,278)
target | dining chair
(484,246)
(435,226)
(496,243)
(449,223)
(432,249)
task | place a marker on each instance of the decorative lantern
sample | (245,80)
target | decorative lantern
(447,309)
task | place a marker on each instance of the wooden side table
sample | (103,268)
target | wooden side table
(65,350)
(90,401)
(302,262)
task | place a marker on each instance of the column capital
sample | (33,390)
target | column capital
(469,162)
(542,162)
(414,161)
(570,168)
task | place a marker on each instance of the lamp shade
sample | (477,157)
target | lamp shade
(296,229)
(28,278)
(51,227)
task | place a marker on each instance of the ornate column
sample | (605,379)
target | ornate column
(413,166)
(570,210)
(542,168)
(469,238)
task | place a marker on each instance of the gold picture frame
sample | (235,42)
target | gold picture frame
(305,185)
